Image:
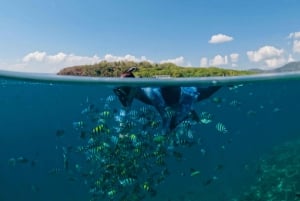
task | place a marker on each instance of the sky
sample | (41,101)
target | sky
(46,36)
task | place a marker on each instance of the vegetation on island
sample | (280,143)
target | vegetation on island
(147,69)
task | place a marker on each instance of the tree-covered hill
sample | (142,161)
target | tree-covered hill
(146,69)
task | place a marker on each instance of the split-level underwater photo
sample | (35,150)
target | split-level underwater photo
(111,100)
(71,141)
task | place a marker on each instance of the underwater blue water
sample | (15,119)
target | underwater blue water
(258,116)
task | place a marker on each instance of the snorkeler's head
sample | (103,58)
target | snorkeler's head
(128,73)
(125,93)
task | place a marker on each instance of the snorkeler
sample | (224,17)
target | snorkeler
(177,99)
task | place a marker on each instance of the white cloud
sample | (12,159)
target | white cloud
(203,62)
(294,35)
(275,62)
(189,64)
(218,60)
(128,57)
(234,65)
(41,62)
(57,58)
(263,53)
(220,38)
(267,55)
(35,56)
(296,46)
(72,60)
(178,61)
(234,57)
(291,59)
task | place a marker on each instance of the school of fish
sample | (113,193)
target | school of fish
(122,155)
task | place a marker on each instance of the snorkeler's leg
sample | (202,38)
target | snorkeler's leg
(171,94)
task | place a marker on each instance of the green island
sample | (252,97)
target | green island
(147,69)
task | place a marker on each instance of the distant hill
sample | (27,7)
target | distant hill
(256,70)
(289,67)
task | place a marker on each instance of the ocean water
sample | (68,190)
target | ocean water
(37,136)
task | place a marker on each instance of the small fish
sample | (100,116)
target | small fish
(78,168)
(94,190)
(160,160)
(111,193)
(22,160)
(190,134)
(169,113)
(217,100)
(134,140)
(235,103)
(146,186)
(33,163)
(142,120)
(186,124)
(106,114)
(60,132)
(127,181)
(98,129)
(114,139)
(54,171)
(203,152)
(221,128)
(154,124)
(219,167)
(184,142)
(251,113)
(133,114)
(110,98)
(159,138)
(88,109)
(65,159)
(210,180)
(120,116)
(78,125)
(205,118)
(145,109)
(233,87)
(127,125)
(194,172)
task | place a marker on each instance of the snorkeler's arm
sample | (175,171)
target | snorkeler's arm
(207,92)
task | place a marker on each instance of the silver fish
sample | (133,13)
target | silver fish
(221,128)
(205,118)
(110,98)
(235,103)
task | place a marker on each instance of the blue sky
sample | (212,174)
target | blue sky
(45,36)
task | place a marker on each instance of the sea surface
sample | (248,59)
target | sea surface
(46,151)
